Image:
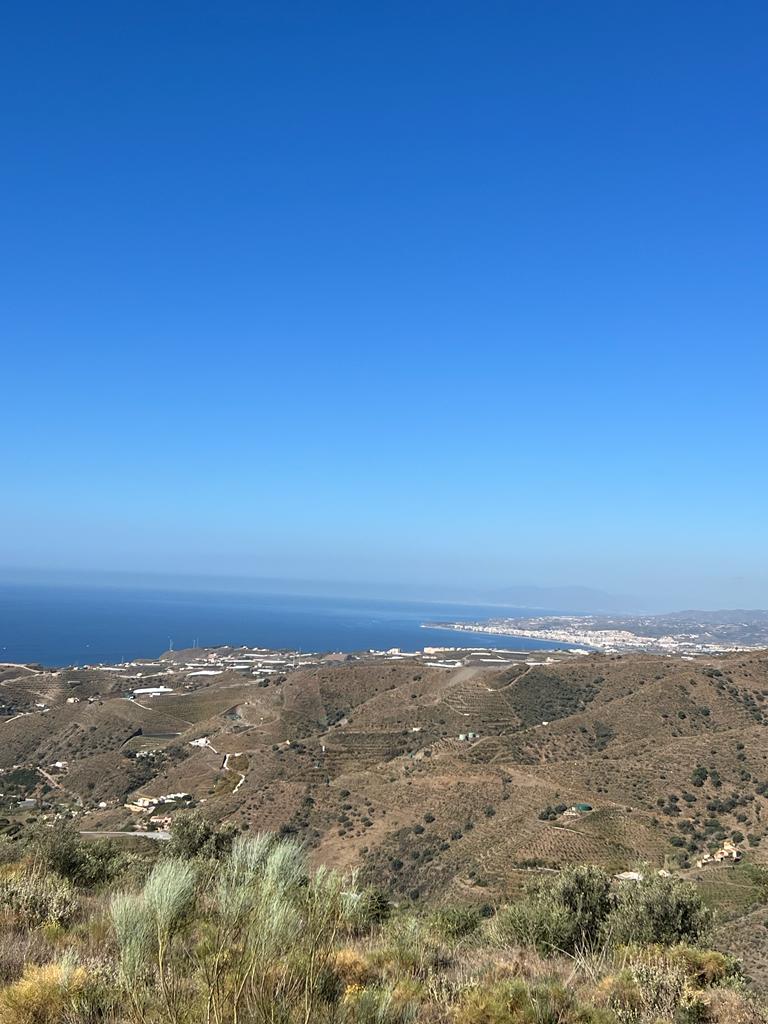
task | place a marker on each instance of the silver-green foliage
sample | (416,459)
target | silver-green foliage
(37,897)
(169,894)
(274,928)
(145,925)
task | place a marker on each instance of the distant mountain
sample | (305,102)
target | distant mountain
(576,600)
(728,616)
(565,600)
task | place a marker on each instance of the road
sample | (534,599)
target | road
(161,835)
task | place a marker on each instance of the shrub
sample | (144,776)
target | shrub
(37,898)
(453,923)
(702,967)
(371,1005)
(44,995)
(653,989)
(352,968)
(21,948)
(367,908)
(9,850)
(510,1001)
(659,910)
(407,949)
(535,923)
(60,849)
(146,926)
(564,915)
(193,836)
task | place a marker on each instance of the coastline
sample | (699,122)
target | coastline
(602,641)
(520,634)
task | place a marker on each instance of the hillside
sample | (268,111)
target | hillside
(362,759)
(438,783)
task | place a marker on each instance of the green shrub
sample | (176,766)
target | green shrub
(407,948)
(659,910)
(535,923)
(193,836)
(562,915)
(453,923)
(369,907)
(59,848)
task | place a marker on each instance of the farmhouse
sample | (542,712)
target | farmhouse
(728,851)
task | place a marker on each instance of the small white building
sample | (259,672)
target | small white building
(629,876)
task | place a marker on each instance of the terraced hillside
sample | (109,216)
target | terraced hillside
(435,781)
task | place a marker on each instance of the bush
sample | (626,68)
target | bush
(702,967)
(369,907)
(453,923)
(565,915)
(516,1001)
(578,911)
(9,850)
(193,836)
(371,1005)
(38,899)
(21,948)
(44,995)
(659,910)
(352,968)
(407,949)
(538,924)
(60,849)
(665,983)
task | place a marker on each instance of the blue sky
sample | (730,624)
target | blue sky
(456,294)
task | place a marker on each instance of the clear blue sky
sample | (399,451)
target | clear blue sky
(427,293)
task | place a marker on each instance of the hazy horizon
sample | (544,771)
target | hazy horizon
(565,598)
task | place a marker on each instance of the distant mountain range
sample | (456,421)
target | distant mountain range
(572,599)
(564,599)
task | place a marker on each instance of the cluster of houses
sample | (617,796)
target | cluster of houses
(256,661)
(728,851)
(158,822)
(145,803)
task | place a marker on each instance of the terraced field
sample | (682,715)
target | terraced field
(362,762)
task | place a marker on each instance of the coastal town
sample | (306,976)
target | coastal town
(686,634)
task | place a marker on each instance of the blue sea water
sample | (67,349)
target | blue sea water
(75,625)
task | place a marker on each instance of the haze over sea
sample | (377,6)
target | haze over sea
(75,625)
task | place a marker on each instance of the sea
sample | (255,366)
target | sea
(66,625)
